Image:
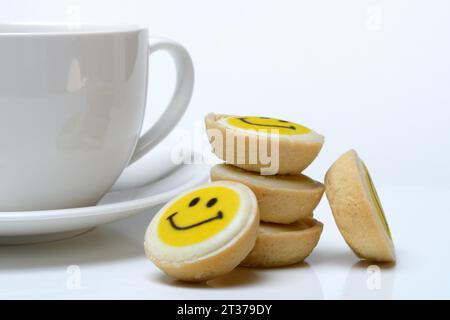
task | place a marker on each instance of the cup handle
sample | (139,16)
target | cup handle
(180,99)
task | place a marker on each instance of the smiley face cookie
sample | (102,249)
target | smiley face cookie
(281,199)
(265,145)
(357,209)
(282,245)
(205,232)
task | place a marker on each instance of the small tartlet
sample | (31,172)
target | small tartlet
(205,232)
(240,145)
(281,198)
(282,245)
(357,209)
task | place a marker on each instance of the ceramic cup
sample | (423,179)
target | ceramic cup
(72,104)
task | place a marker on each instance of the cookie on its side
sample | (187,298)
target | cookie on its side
(282,245)
(205,232)
(281,199)
(265,145)
(357,209)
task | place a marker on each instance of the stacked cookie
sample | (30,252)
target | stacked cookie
(286,199)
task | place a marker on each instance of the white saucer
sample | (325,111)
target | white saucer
(126,198)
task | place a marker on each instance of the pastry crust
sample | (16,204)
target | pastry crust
(283,245)
(355,209)
(218,262)
(293,155)
(281,199)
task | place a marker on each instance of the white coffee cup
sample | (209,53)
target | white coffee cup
(72,104)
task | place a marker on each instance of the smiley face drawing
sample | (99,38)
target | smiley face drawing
(376,200)
(283,127)
(198,216)
(204,232)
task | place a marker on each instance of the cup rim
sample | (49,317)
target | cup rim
(65,29)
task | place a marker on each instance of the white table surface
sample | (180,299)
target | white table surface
(112,263)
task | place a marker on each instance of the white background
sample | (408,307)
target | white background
(370,75)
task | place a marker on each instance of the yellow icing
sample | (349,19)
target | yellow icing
(376,201)
(198,216)
(268,124)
